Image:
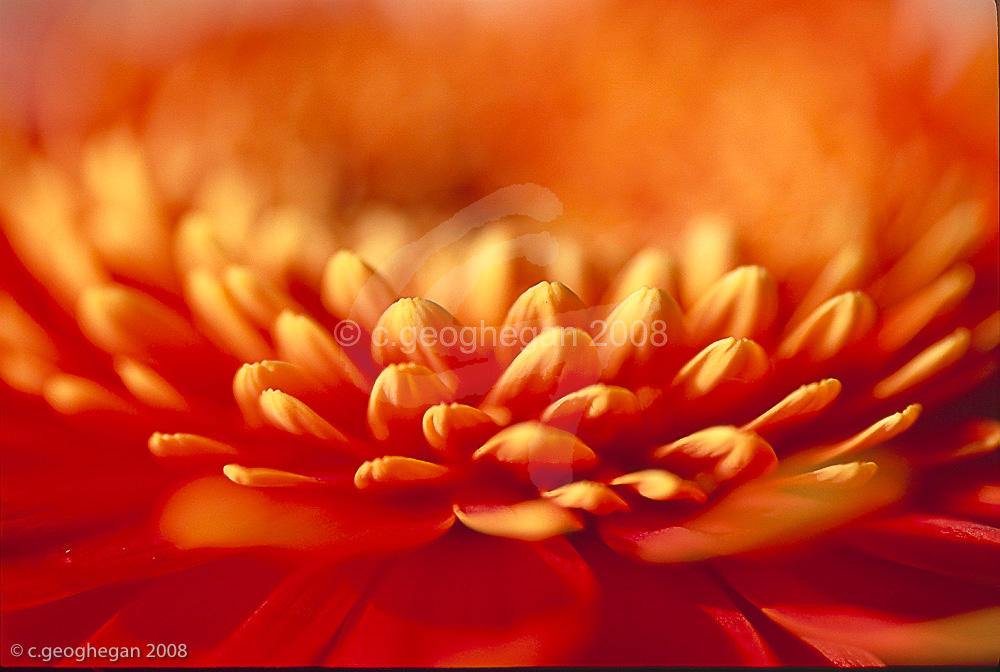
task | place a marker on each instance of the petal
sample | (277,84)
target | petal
(759,514)
(197,607)
(214,512)
(941,545)
(673,615)
(277,633)
(899,614)
(472,600)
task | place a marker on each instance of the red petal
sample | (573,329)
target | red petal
(467,599)
(297,621)
(942,545)
(80,565)
(679,615)
(899,614)
(197,608)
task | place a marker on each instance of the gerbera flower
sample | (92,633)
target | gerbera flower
(261,406)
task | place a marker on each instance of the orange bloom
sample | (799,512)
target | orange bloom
(672,341)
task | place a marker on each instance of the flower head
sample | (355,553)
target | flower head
(232,424)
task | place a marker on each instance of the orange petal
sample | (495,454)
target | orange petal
(986,335)
(287,413)
(557,362)
(805,401)
(718,454)
(846,476)
(253,379)
(598,414)
(549,457)
(223,320)
(148,386)
(533,520)
(946,242)
(709,251)
(301,340)
(125,321)
(196,247)
(880,432)
(265,477)
(188,445)
(453,430)
(760,514)
(421,332)
(725,361)
(904,321)
(638,336)
(256,296)
(661,485)
(73,395)
(400,396)
(925,365)
(547,304)
(743,303)
(354,290)
(593,497)
(214,512)
(844,272)
(649,268)
(395,470)
(18,330)
(838,323)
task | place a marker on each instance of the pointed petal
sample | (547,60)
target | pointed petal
(598,414)
(148,386)
(394,471)
(742,304)
(301,340)
(718,454)
(649,268)
(904,321)
(805,401)
(120,320)
(401,395)
(354,290)
(533,520)
(188,445)
(925,366)
(549,457)
(556,362)
(723,362)
(661,485)
(222,318)
(265,477)
(638,339)
(547,304)
(456,430)
(840,322)
(589,496)
(709,252)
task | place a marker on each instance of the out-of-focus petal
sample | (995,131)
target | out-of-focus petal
(759,514)
(214,512)
(472,600)
(196,608)
(899,614)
